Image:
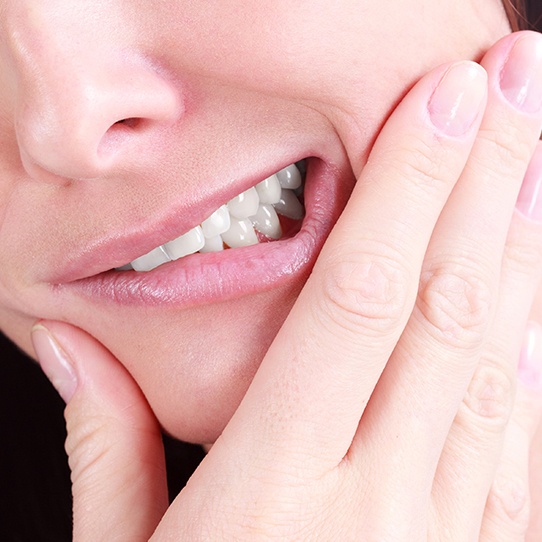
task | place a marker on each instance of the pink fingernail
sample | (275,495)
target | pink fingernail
(529,202)
(54,362)
(521,76)
(458,98)
(530,359)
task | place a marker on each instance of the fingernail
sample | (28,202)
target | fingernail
(54,362)
(521,76)
(529,202)
(530,359)
(457,100)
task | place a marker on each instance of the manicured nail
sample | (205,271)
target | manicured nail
(54,362)
(529,202)
(521,76)
(530,359)
(457,100)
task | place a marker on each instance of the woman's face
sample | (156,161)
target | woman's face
(125,124)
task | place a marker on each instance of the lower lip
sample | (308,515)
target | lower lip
(233,273)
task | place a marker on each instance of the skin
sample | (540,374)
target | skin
(335,103)
(439,452)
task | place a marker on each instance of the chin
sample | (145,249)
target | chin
(195,366)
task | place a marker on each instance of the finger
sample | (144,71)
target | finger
(313,385)
(535,480)
(476,437)
(415,402)
(114,443)
(507,510)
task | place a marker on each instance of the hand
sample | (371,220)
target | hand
(381,410)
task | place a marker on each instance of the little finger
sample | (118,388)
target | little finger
(507,512)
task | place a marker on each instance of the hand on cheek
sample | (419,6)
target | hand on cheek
(381,408)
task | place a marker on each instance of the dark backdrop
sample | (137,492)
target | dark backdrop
(534,13)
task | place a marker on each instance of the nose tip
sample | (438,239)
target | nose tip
(83,125)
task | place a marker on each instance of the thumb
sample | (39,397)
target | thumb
(114,443)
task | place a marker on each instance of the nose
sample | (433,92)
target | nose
(83,111)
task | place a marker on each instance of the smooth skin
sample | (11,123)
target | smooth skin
(386,407)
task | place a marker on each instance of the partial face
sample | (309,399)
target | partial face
(124,125)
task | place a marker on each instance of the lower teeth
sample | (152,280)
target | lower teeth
(237,223)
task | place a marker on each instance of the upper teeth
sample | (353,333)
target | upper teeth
(235,223)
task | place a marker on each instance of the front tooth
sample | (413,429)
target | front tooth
(289,205)
(152,259)
(245,204)
(213,244)
(289,177)
(188,243)
(217,223)
(269,190)
(240,234)
(267,222)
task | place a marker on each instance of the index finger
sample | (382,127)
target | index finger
(319,373)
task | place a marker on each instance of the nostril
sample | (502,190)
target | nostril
(128,123)
(115,111)
(122,135)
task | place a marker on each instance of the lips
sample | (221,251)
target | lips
(248,218)
(211,277)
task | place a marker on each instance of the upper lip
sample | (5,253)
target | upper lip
(119,248)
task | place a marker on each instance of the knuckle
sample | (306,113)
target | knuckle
(364,292)
(509,503)
(489,398)
(523,250)
(86,445)
(508,144)
(456,304)
(422,165)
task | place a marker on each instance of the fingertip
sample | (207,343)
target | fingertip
(514,65)
(529,202)
(521,75)
(81,365)
(530,360)
(458,100)
(54,361)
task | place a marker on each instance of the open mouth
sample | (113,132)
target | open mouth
(260,214)
(194,279)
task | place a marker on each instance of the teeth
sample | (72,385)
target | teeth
(267,222)
(269,190)
(245,204)
(240,234)
(213,244)
(188,243)
(289,177)
(152,259)
(289,205)
(217,223)
(236,222)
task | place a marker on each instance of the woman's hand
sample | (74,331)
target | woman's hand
(383,409)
